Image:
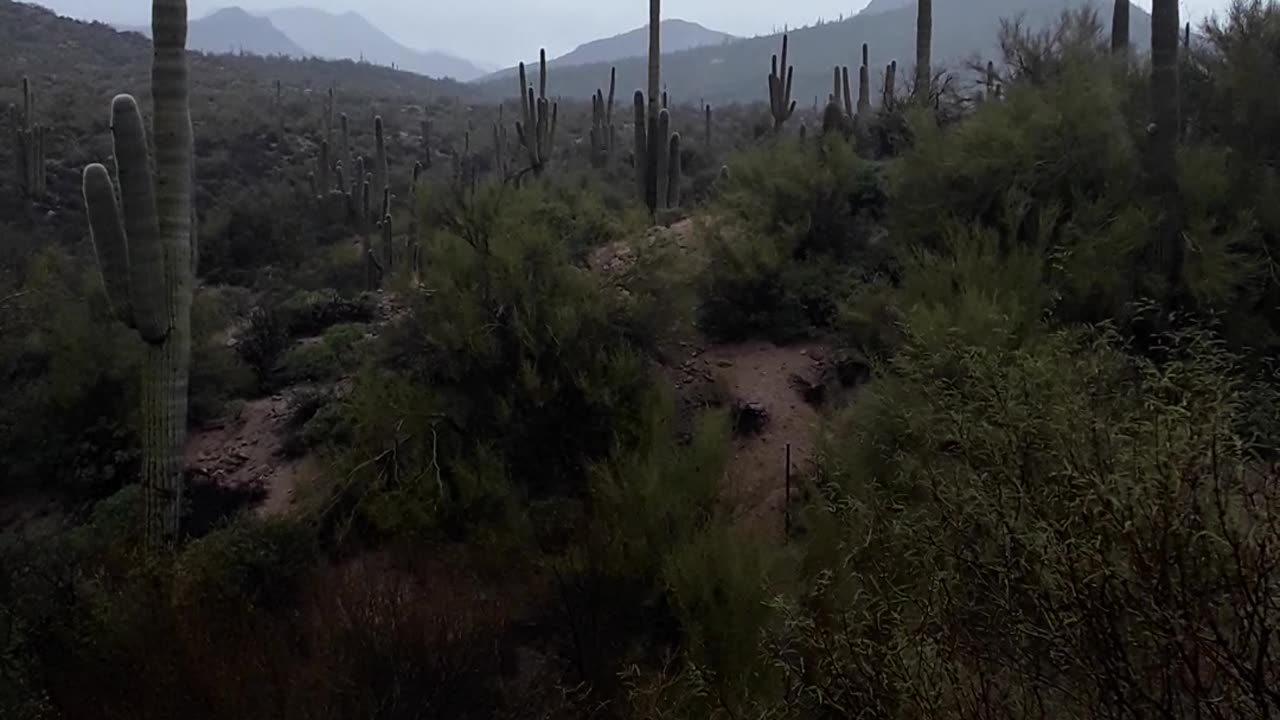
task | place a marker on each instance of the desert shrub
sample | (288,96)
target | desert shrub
(323,359)
(218,373)
(254,228)
(796,231)
(1001,528)
(509,340)
(310,313)
(262,342)
(248,567)
(70,373)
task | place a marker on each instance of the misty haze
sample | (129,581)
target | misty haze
(701,360)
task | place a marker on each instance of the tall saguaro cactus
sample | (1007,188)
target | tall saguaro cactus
(924,48)
(780,103)
(145,249)
(602,131)
(1120,28)
(657,158)
(537,132)
(1163,161)
(28,137)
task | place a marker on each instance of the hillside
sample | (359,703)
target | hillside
(350,36)
(677,35)
(735,72)
(232,30)
(79,61)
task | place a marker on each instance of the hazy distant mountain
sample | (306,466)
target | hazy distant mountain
(350,36)
(232,30)
(736,71)
(878,6)
(677,35)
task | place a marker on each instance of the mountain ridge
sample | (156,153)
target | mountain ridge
(734,72)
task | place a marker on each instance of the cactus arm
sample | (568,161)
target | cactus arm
(110,244)
(139,206)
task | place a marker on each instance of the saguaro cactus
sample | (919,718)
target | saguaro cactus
(657,159)
(145,252)
(1120,28)
(538,130)
(864,82)
(381,173)
(780,103)
(924,48)
(890,85)
(602,131)
(426,138)
(28,136)
(707,137)
(1163,160)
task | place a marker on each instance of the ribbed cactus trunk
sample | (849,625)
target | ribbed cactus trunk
(146,253)
(1163,160)
(924,48)
(655,55)
(381,172)
(28,138)
(1120,28)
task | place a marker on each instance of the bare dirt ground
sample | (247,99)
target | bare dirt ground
(245,453)
(758,374)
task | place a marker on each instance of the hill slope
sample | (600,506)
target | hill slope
(231,30)
(350,36)
(735,72)
(677,35)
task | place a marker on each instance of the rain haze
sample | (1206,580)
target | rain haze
(500,32)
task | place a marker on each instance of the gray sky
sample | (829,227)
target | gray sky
(505,31)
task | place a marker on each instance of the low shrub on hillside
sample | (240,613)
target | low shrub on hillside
(797,228)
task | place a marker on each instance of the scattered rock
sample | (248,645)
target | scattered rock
(749,417)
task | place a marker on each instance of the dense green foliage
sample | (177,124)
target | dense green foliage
(1053,495)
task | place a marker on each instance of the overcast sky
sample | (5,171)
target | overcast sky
(506,31)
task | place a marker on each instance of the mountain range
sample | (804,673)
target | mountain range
(736,71)
(306,32)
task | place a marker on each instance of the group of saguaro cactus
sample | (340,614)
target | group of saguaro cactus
(145,244)
(537,130)
(659,172)
(842,113)
(28,138)
(781,106)
(603,137)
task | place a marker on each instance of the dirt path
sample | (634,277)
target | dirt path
(245,453)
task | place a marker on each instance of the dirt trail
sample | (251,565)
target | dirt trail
(245,453)
(770,381)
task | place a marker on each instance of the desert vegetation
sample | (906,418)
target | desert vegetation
(333,392)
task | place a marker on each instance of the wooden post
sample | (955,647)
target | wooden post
(786,503)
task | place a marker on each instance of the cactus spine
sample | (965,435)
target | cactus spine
(29,145)
(924,48)
(538,130)
(145,249)
(780,103)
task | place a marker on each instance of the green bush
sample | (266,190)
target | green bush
(1006,519)
(68,419)
(249,567)
(218,374)
(796,230)
(514,372)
